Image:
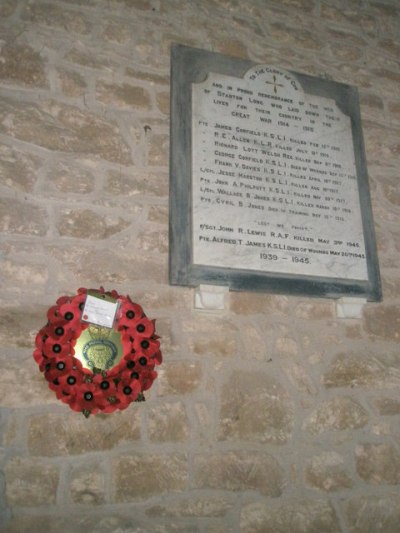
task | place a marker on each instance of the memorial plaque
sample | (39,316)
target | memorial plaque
(269,187)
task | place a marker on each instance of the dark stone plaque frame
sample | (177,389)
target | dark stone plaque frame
(191,65)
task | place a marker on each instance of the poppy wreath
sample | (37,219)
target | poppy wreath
(94,390)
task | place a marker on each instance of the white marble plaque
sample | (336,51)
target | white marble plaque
(274,181)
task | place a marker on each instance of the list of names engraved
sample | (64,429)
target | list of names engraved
(274,185)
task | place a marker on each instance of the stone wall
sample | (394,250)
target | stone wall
(273,416)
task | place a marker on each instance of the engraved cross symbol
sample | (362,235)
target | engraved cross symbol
(274,84)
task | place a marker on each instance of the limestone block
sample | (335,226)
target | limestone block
(300,516)
(194,506)
(22,218)
(87,224)
(255,407)
(352,370)
(72,83)
(158,214)
(87,484)
(388,406)
(150,77)
(383,321)
(21,65)
(55,17)
(63,128)
(123,96)
(340,413)
(158,150)
(18,170)
(179,377)
(153,241)
(7,8)
(239,471)
(327,471)
(379,513)
(168,422)
(143,184)
(243,303)
(378,464)
(162,100)
(29,483)
(68,178)
(21,383)
(71,434)
(140,476)
(211,335)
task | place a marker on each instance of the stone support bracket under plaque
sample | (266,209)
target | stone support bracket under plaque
(268,181)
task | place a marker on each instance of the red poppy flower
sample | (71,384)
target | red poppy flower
(53,313)
(127,392)
(41,359)
(71,313)
(129,315)
(147,347)
(70,381)
(88,397)
(54,347)
(147,380)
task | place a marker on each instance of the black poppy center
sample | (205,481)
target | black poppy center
(56,348)
(130,314)
(104,385)
(60,365)
(143,361)
(81,306)
(140,328)
(71,380)
(134,375)
(56,382)
(88,396)
(69,315)
(127,390)
(130,364)
(59,331)
(145,344)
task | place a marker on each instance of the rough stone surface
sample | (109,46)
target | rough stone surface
(87,485)
(192,507)
(304,516)
(388,406)
(179,377)
(327,472)
(89,225)
(66,434)
(18,170)
(255,407)
(350,370)
(54,16)
(30,483)
(141,476)
(58,127)
(141,184)
(341,413)
(168,422)
(125,96)
(378,463)
(22,218)
(20,64)
(384,321)
(374,513)
(238,470)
